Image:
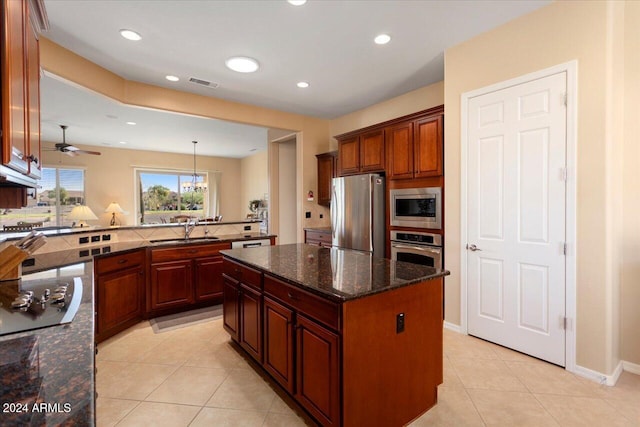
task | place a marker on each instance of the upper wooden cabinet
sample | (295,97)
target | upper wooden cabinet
(414,148)
(361,153)
(404,148)
(20,105)
(427,147)
(326,172)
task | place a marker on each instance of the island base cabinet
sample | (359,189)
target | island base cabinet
(390,377)
(231,307)
(318,371)
(251,323)
(278,343)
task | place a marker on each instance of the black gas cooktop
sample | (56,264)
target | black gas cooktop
(34,304)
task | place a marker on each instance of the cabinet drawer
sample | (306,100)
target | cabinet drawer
(242,273)
(118,262)
(322,310)
(319,236)
(185,252)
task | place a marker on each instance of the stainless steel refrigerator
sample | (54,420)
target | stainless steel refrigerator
(357,213)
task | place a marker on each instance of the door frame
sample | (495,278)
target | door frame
(571,69)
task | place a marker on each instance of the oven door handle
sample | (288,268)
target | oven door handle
(418,248)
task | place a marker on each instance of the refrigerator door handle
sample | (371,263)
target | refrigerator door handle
(333,212)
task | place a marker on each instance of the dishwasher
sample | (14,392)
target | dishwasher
(250,243)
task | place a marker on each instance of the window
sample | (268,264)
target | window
(165,196)
(58,191)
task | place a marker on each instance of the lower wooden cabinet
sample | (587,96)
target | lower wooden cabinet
(182,276)
(208,278)
(251,321)
(120,296)
(313,354)
(278,343)
(317,236)
(231,307)
(171,285)
(318,370)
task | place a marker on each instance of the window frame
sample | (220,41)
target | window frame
(137,171)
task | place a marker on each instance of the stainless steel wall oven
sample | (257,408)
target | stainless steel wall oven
(417,247)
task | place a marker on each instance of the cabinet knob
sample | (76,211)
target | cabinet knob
(292,296)
(122,261)
(32,158)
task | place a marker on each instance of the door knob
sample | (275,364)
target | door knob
(473,248)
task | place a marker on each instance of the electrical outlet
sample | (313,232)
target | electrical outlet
(307,214)
(82,240)
(321,216)
(83,253)
(106,237)
(95,238)
(399,323)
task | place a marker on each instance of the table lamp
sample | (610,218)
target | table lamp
(114,208)
(81,213)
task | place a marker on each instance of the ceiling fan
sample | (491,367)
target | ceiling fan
(69,149)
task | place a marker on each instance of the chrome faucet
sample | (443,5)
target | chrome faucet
(189,226)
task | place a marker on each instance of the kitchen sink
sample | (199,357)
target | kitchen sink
(183,241)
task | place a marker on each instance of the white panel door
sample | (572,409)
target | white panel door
(516,217)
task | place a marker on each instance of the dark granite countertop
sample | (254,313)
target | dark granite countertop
(88,253)
(336,274)
(52,367)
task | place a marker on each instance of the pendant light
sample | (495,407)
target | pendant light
(197,183)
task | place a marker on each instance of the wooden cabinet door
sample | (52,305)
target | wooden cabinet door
(400,142)
(428,147)
(318,371)
(33,102)
(14,101)
(326,171)
(171,284)
(120,300)
(251,321)
(372,151)
(349,156)
(231,307)
(208,278)
(278,343)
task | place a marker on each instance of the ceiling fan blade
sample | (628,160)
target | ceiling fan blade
(70,153)
(95,153)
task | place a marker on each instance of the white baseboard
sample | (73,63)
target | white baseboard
(631,367)
(452,327)
(601,378)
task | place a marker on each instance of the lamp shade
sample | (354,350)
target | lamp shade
(81,213)
(114,208)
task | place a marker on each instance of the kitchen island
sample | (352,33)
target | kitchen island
(355,340)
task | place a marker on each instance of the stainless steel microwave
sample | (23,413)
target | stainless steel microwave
(416,207)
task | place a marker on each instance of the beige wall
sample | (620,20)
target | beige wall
(630,239)
(312,136)
(110,177)
(254,179)
(410,102)
(589,32)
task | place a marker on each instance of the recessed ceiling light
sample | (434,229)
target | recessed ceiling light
(382,39)
(172,78)
(242,64)
(302,84)
(297,2)
(131,123)
(130,35)
(123,142)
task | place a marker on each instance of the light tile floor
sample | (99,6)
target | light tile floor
(194,376)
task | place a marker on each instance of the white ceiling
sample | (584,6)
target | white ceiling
(327,43)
